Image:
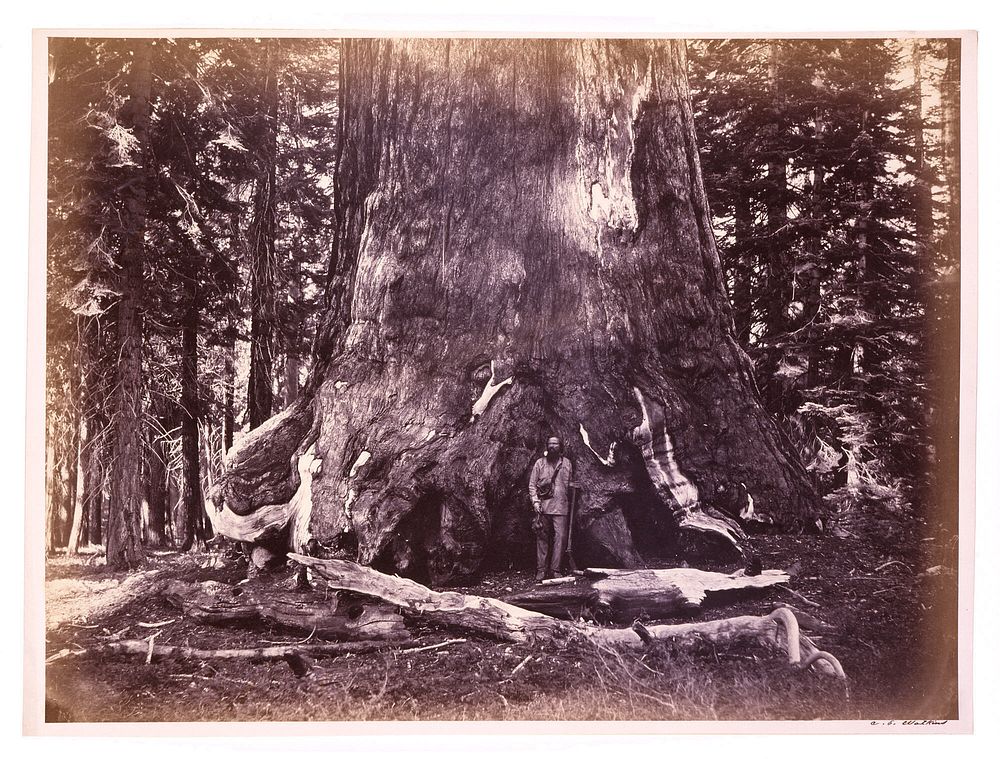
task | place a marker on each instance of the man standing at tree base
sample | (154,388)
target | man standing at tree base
(548,488)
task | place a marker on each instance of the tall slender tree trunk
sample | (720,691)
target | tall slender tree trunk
(205,455)
(78,393)
(951,150)
(742,270)
(229,396)
(779,269)
(77,530)
(263,262)
(51,486)
(84,485)
(94,494)
(175,531)
(292,364)
(812,278)
(156,534)
(124,539)
(945,314)
(71,461)
(924,201)
(191,496)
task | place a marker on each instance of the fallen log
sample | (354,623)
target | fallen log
(621,595)
(487,616)
(315,650)
(341,616)
(777,631)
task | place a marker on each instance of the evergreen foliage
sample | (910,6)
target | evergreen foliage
(204,164)
(830,261)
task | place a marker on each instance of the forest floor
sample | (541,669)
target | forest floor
(891,599)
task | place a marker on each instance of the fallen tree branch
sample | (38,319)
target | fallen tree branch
(431,647)
(799,596)
(144,649)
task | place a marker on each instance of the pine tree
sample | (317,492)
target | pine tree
(848,211)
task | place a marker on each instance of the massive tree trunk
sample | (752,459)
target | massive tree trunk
(124,549)
(523,248)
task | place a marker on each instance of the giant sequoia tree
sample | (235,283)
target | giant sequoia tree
(522,248)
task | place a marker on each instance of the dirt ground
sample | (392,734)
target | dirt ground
(891,599)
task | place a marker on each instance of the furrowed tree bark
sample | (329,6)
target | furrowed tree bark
(124,543)
(522,248)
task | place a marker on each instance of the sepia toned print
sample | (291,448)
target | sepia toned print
(503,379)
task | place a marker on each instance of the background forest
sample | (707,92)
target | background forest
(189,239)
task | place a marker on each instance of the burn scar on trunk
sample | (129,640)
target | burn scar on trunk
(658,454)
(491,389)
(746,512)
(610,460)
(310,466)
(362,459)
(359,463)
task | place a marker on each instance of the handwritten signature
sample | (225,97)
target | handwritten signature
(907,722)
